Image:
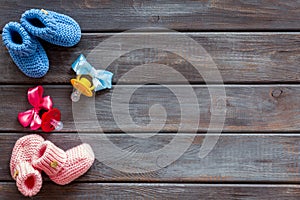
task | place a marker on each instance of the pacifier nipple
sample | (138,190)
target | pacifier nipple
(75,96)
(58,125)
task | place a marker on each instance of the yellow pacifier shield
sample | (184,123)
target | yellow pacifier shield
(83,85)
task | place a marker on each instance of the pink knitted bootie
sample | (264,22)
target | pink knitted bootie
(28,179)
(63,167)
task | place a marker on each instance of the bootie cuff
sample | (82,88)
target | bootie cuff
(18,40)
(29,180)
(49,158)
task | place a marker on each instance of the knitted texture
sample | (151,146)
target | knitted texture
(28,179)
(53,27)
(48,154)
(63,167)
(25,50)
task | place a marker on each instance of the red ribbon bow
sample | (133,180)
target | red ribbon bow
(31,117)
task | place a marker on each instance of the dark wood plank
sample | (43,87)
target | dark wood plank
(243,158)
(174,14)
(157,191)
(257,108)
(240,58)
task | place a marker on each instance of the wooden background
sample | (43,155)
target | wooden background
(256,47)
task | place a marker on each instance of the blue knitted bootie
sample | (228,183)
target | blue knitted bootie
(25,50)
(53,27)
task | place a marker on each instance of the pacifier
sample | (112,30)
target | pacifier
(82,85)
(89,79)
(42,114)
(51,120)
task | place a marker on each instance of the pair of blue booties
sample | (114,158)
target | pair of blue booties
(21,39)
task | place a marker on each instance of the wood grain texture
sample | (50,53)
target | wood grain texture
(235,158)
(240,58)
(249,108)
(256,156)
(157,191)
(94,15)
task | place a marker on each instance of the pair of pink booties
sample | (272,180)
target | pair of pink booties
(32,154)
